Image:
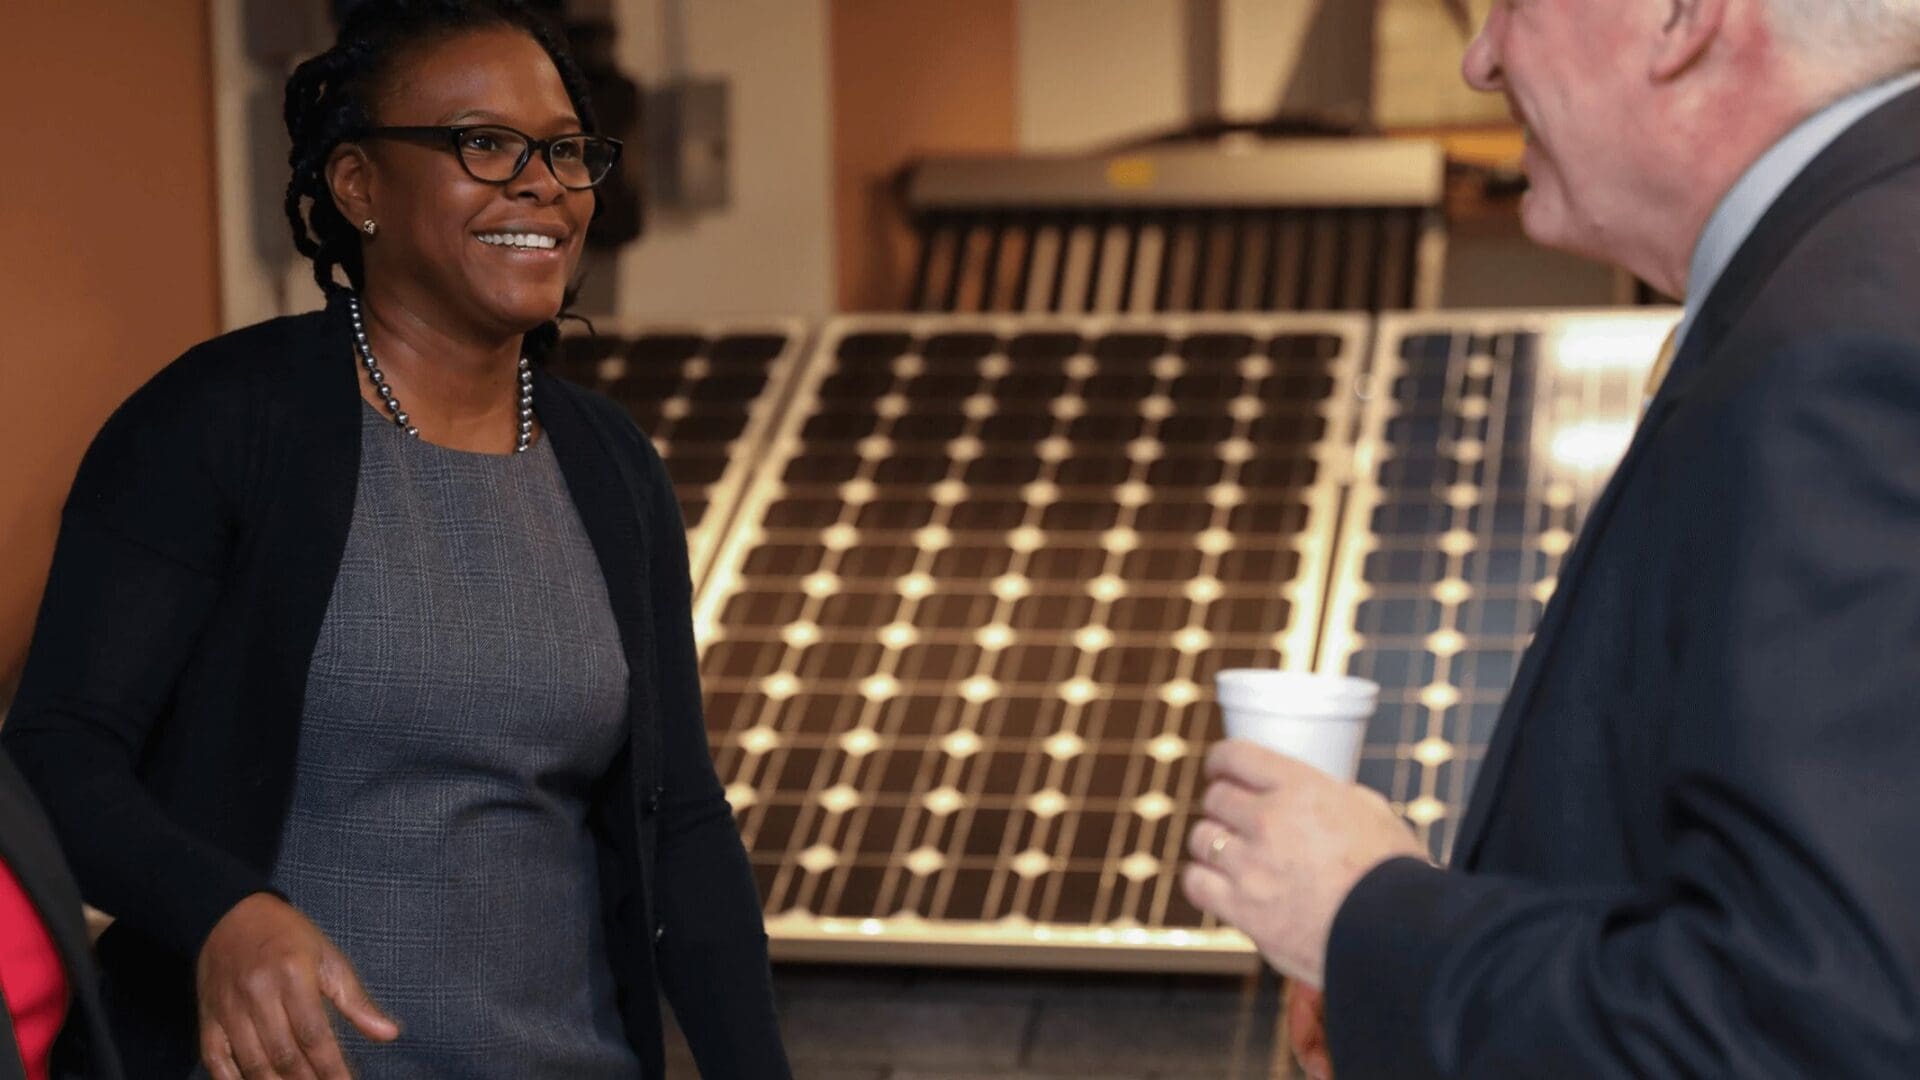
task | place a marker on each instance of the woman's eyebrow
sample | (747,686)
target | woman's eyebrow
(485,116)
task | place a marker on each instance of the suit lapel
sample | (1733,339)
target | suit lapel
(1527,681)
(1879,144)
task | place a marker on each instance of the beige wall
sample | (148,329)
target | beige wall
(261,276)
(1417,68)
(1260,44)
(1095,72)
(1089,81)
(108,227)
(770,251)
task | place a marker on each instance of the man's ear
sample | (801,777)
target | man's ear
(350,177)
(1689,29)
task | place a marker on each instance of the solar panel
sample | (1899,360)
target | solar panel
(705,393)
(959,645)
(1485,438)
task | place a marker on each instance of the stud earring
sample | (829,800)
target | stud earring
(369,227)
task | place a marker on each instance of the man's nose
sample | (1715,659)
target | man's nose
(1481,65)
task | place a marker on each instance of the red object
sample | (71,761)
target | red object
(31,975)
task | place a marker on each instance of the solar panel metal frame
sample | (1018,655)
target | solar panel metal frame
(811,938)
(763,411)
(1325,172)
(1617,348)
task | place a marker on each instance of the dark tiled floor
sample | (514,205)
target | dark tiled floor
(922,1024)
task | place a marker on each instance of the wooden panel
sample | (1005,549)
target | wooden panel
(110,233)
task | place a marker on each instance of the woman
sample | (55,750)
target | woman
(365,675)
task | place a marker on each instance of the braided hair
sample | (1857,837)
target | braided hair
(330,100)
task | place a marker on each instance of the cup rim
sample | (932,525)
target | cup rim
(1330,687)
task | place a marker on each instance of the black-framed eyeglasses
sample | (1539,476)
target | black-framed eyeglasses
(495,153)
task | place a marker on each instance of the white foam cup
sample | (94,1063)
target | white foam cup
(1318,719)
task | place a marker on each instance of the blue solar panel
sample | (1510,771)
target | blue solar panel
(1486,438)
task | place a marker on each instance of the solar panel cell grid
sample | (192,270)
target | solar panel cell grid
(704,394)
(960,639)
(961,643)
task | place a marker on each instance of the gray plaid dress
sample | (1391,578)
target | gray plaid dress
(467,689)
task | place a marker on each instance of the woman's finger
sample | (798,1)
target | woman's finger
(285,1059)
(312,1031)
(249,1055)
(216,1051)
(342,986)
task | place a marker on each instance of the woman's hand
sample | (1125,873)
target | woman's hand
(264,978)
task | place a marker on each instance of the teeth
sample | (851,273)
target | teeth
(519,240)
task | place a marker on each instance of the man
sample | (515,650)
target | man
(1692,850)
(50,1019)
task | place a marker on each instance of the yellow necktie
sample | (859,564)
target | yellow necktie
(1661,362)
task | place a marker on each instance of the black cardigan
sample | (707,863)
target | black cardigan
(159,710)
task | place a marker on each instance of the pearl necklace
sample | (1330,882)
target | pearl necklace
(400,418)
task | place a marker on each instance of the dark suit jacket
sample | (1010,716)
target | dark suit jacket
(159,710)
(1694,849)
(85,1048)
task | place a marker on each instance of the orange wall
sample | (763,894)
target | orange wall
(107,225)
(928,77)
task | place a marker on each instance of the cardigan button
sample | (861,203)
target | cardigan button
(652,804)
(659,932)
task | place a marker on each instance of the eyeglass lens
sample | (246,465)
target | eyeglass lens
(493,155)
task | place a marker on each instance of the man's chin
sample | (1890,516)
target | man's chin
(1543,217)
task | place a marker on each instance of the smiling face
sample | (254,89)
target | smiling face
(1574,75)
(490,259)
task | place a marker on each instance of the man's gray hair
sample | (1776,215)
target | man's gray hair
(1886,33)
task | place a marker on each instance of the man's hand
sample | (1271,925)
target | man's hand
(1307,1031)
(265,977)
(1281,846)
